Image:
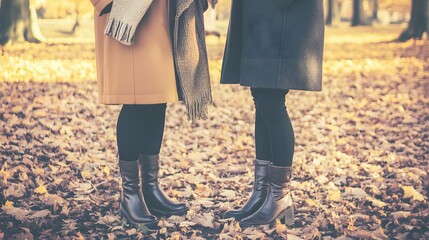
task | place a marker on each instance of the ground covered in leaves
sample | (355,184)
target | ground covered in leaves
(361,162)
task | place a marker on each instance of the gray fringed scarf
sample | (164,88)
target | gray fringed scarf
(189,46)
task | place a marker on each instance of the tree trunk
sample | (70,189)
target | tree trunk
(419,22)
(333,12)
(76,23)
(358,17)
(16,22)
(375,11)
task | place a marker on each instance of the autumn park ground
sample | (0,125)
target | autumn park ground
(361,162)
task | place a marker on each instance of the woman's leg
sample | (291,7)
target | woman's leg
(151,131)
(132,204)
(140,130)
(127,133)
(273,121)
(278,204)
(262,141)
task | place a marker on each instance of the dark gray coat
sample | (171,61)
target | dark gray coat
(275,44)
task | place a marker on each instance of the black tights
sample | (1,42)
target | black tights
(140,130)
(274,136)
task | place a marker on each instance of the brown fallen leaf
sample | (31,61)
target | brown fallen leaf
(376,202)
(39,214)
(16,190)
(400,215)
(205,220)
(379,233)
(360,234)
(18,213)
(131,232)
(229,194)
(107,220)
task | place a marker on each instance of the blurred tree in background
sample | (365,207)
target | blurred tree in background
(16,22)
(358,17)
(333,12)
(18,18)
(375,11)
(419,22)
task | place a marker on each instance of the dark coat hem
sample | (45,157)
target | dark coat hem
(271,48)
(272,87)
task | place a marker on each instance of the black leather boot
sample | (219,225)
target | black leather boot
(260,189)
(157,201)
(278,204)
(132,206)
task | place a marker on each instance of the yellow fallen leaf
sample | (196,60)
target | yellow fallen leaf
(184,164)
(85,174)
(376,202)
(310,202)
(8,204)
(38,171)
(334,196)
(17,109)
(80,236)
(39,113)
(410,192)
(175,236)
(41,190)
(106,170)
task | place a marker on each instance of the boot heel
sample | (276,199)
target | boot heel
(287,217)
(124,218)
(146,228)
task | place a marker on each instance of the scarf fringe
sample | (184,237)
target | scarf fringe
(198,108)
(120,31)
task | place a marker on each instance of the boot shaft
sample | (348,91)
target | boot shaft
(149,166)
(262,172)
(279,181)
(130,175)
(132,205)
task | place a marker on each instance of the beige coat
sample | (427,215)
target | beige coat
(142,73)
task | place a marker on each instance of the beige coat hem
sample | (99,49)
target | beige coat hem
(143,73)
(136,99)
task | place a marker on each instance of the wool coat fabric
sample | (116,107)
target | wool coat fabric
(142,73)
(166,62)
(275,44)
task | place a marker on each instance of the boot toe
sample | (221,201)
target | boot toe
(238,215)
(153,226)
(181,207)
(244,224)
(248,222)
(168,211)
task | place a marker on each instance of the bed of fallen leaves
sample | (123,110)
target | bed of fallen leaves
(361,162)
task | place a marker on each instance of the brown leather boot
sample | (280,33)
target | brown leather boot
(132,206)
(157,201)
(278,204)
(260,190)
